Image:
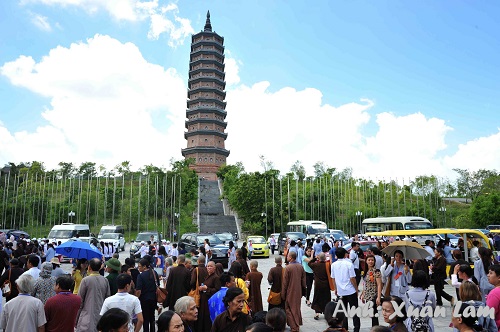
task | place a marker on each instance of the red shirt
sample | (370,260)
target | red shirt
(61,311)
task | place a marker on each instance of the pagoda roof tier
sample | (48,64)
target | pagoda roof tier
(205,149)
(210,61)
(205,120)
(206,34)
(205,42)
(204,51)
(207,70)
(206,89)
(188,134)
(206,79)
(222,104)
(204,110)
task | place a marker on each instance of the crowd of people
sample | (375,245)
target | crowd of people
(101,294)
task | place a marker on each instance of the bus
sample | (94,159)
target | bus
(381,224)
(309,227)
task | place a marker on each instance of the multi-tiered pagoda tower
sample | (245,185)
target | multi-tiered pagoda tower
(206,108)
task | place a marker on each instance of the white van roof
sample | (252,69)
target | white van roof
(71,226)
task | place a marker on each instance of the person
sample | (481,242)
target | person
(372,291)
(250,249)
(429,247)
(399,274)
(231,253)
(32,265)
(113,267)
(276,318)
(334,322)
(272,244)
(244,251)
(208,250)
(275,279)
(169,321)
(462,273)
(259,327)
(345,285)
(44,286)
(56,267)
(439,274)
(469,292)
(12,274)
(123,300)
(93,290)
(186,308)
(255,279)
(474,251)
(241,258)
(23,313)
(462,319)
(396,322)
(79,272)
(145,290)
(447,251)
(237,270)
(207,287)
(493,298)
(321,276)
(233,319)
(219,269)
(306,258)
(420,296)
(356,260)
(294,287)
(113,320)
(215,303)
(61,310)
(178,282)
(481,267)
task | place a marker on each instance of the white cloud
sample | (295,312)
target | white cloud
(104,96)
(481,153)
(163,18)
(232,70)
(41,22)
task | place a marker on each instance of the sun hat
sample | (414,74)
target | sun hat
(55,260)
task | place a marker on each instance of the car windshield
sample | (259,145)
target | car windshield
(62,234)
(296,236)
(113,236)
(212,238)
(224,236)
(257,240)
(145,237)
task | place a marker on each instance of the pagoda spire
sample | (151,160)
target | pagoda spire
(208,25)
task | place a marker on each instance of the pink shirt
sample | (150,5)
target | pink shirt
(493,301)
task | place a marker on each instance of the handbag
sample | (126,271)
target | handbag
(7,286)
(274,298)
(195,293)
(161,293)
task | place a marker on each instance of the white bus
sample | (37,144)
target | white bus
(309,227)
(381,224)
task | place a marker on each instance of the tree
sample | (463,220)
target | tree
(485,209)
(298,170)
(87,170)
(266,164)
(470,184)
(319,169)
(66,169)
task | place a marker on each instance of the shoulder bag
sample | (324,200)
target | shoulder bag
(161,293)
(7,285)
(274,298)
(195,293)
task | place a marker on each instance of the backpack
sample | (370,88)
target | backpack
(419,324)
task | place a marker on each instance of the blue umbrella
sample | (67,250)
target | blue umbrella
(78,249)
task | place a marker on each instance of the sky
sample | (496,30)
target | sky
(393,90)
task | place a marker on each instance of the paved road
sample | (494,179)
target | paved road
(311,325)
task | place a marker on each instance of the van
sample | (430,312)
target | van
(111,229)
(66,231)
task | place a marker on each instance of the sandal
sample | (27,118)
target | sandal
(316,317)
(308,303)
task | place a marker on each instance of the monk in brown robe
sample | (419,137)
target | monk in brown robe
(255,278)
(322,293)
(208,287)
(275,279)
(177,282)
(294,287)
(242,261)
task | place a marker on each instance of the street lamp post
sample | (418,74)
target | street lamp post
(264,215)
(358,215)
(71,214)
(177,215)
(443,209)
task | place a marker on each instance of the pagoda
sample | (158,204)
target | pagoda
(206,108)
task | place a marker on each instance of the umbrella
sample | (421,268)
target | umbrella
(411,250)
(17,234)
(78,249)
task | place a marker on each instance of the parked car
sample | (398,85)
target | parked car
(260,246)
(116,238)
(364,245)
(195,240)
(225,237)
(16,233)
(111,229)
(292,235)
(143,236)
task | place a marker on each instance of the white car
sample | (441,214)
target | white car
(116,238)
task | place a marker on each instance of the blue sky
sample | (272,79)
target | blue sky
(391,89)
